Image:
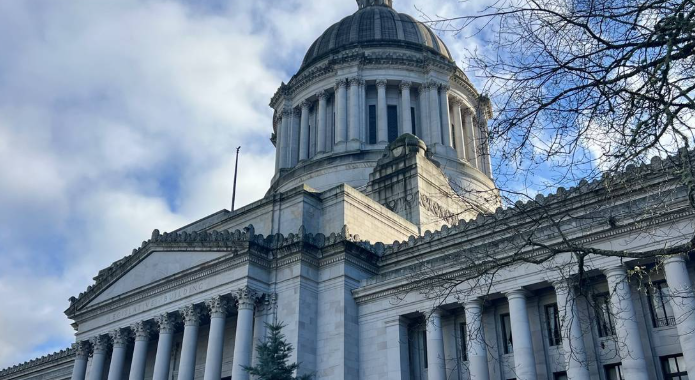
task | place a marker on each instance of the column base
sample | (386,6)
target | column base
(354,145)
(340,147)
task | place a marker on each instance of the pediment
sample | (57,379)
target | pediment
(156,266)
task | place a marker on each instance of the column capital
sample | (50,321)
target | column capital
(246,297)
(268,302)
(473,303)
(340,83)
(306,104)
(191,315)
(166,323)
(445,88)
(82,349)
(100,344)
(431,85)
(679,258)
(297,112)
(286,112)
(405,85)
(616,271)
(141,330)
(120,337)
(517,293)
(355,81)
(322,95)
(381,83)
(457,102)
(217,306)
(561,285)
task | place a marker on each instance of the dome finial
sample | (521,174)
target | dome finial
(369,3)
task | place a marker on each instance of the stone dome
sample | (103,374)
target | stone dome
(375,26)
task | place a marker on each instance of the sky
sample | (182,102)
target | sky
(121,116)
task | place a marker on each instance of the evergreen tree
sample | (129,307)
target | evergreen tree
(273,354)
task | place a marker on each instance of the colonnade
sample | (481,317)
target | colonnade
(351,124)
(118,341)
(628,336)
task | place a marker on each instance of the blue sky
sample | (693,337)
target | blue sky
(121,116)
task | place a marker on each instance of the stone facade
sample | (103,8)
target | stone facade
(360,230)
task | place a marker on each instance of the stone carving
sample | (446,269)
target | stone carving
(246,297)
(56,356)
(405,85)
(322,95)
(381,83)
(120,337)
(82,349)
(100,344)
(166,323)
(340,83)
(191,315)
(141,330)
(306,104)
(217,306)
(355,81)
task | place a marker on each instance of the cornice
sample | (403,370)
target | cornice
(423,61)
(51,359)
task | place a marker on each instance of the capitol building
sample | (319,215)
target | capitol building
(383,246)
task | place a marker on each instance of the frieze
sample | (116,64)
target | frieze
(157,301)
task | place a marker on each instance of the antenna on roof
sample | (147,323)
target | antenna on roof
(236,168)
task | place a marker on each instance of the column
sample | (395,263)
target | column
(322,127)
(165,323)
(304,132)
(446,119)
(100,346)
(406,117)
(81,356)
(458,130)
(341,111)
(354,123)
(629,342)
(476,348)
(576,360)
(141,330)
(424,114)
(470,138)
(294,141)
(191,324)
(284,137)
(683,304)
(524,359)
(217,306)
(435,114)
(119,340)
(277,127)
(243,343)
(436,369)
(382,127)
(397,356)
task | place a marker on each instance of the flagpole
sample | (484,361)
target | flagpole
(236,167)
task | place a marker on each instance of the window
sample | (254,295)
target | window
(560,376)
(392,113)
(412,120)
(552,323)
(604,318)
(464,342)
(614,372)
(372,125)
(674,367)
(424,345)
(662,315)
(506,325)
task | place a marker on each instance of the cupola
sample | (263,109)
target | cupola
(369,3)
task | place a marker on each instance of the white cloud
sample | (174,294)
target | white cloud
(121,116)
